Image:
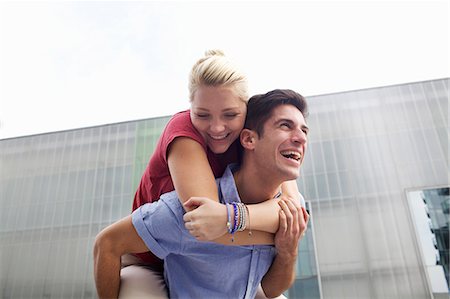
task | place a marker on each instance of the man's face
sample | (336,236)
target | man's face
(281,148)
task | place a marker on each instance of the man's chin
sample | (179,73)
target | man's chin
(294,175)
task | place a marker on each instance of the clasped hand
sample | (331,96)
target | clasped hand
(293,223)
(206,219)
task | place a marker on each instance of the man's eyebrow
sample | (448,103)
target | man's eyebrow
(284,120)
(303,126)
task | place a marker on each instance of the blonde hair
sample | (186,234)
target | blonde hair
(214,69)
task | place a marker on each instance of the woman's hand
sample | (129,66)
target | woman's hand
(207,221)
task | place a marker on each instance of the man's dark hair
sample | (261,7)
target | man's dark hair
(261,106)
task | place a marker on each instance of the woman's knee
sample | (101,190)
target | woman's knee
(140,282)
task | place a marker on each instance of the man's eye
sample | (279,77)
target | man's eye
(286,125)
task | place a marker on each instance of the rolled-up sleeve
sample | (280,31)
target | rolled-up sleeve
(158,227)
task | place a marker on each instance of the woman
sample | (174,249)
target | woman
(194,149)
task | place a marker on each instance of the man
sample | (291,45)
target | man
(274,141)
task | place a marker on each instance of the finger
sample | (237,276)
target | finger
(295,202)
(198,235)
(303,220)
(295,210)
(285,197)
(188,216)
(194,202)
(287,213)
(284,206)
(201,238)
(305,215)
(294,207)
(283,222)
(188,226)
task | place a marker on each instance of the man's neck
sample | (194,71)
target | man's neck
(254,187)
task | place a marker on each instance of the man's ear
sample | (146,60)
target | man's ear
(248,138)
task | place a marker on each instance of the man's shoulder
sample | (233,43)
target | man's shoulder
(172,202)
(167,207)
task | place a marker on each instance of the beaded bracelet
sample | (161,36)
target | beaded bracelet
(248,217)
(238,221)
(242,217)
(236,217)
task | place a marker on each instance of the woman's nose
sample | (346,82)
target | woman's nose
(217,126)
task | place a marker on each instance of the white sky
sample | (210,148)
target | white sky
(67,65)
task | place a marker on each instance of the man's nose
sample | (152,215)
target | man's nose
(299,136)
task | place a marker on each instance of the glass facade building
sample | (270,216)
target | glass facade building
(367,149)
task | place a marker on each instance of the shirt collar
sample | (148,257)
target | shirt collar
(228,191)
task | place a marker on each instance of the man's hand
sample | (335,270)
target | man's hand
(207,221)
(293,223)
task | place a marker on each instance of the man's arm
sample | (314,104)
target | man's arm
(293,223)
(110,244)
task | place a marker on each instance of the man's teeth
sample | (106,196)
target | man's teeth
(292,155)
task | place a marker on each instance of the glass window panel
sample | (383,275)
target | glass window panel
(310,191)
(334,185)
(79,185)
(328,155)
(433,145)
(322,186)
(319,161)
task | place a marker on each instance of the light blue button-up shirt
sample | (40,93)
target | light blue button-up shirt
(194,269)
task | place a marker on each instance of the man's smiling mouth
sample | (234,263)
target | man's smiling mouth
(292,155)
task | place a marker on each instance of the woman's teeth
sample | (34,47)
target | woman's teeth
(218,137)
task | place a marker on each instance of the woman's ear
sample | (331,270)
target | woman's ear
(248,138)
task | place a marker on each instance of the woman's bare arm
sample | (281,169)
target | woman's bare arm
(192,176)
(190,170)
(270,221)
(290,189)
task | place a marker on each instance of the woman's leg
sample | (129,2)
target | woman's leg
(260,294)
(138,280)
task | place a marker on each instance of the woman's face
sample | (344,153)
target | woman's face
(219,115)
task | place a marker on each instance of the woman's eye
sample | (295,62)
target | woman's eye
(231,115)
(202,115)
